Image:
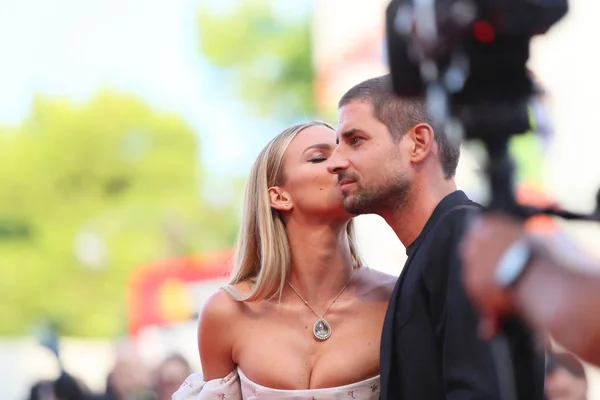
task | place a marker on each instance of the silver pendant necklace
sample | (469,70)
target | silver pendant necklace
(321,328)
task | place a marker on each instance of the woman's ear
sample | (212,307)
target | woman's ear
(279,199)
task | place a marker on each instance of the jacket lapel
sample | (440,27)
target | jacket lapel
(389,329)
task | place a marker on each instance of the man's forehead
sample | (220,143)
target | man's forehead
(352,113)
(356,110)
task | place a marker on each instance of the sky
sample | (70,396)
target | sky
(73,48)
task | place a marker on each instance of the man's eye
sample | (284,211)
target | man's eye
(355,139)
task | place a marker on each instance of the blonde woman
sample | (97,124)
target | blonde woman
(302,316)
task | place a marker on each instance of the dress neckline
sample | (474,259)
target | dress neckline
(243,377)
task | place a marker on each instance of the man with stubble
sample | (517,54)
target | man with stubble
(391,162)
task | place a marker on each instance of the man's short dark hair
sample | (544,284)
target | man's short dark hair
(402,114)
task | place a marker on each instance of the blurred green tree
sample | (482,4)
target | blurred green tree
(87,193)
(269,56)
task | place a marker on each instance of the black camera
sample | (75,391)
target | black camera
(468,57)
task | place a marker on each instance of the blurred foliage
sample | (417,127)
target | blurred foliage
(268,56)
(528,153)
(88,193)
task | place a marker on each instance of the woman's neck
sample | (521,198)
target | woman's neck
(321,261)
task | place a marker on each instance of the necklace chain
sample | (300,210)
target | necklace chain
(334,299)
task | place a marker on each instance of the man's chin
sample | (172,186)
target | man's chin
(352,206)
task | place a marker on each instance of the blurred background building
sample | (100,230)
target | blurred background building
(127,129)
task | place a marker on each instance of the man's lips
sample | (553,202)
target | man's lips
(345,183)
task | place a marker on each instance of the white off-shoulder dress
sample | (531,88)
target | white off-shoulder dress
(237,386)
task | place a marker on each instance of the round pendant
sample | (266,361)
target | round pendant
(322,329)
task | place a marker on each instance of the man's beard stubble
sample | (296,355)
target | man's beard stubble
(390,195)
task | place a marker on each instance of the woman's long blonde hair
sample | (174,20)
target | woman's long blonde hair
(262,253)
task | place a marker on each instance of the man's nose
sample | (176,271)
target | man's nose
(336,163)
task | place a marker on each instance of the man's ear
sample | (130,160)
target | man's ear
(423,142)
(279,199)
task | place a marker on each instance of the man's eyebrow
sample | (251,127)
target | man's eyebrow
(322,146)
(350,132)
(345,135)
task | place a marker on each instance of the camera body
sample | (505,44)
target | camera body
(468,57)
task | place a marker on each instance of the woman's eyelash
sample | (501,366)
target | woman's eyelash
(318,159)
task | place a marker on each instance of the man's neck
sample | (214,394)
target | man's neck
(409,220)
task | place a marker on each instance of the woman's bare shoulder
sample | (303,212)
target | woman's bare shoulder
(222,304)
(218,309)
(217,334)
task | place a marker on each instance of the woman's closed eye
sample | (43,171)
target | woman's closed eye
(317,158)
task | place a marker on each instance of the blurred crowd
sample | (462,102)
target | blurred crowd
(129,379)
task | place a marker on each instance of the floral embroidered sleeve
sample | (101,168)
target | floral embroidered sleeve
(195,388)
